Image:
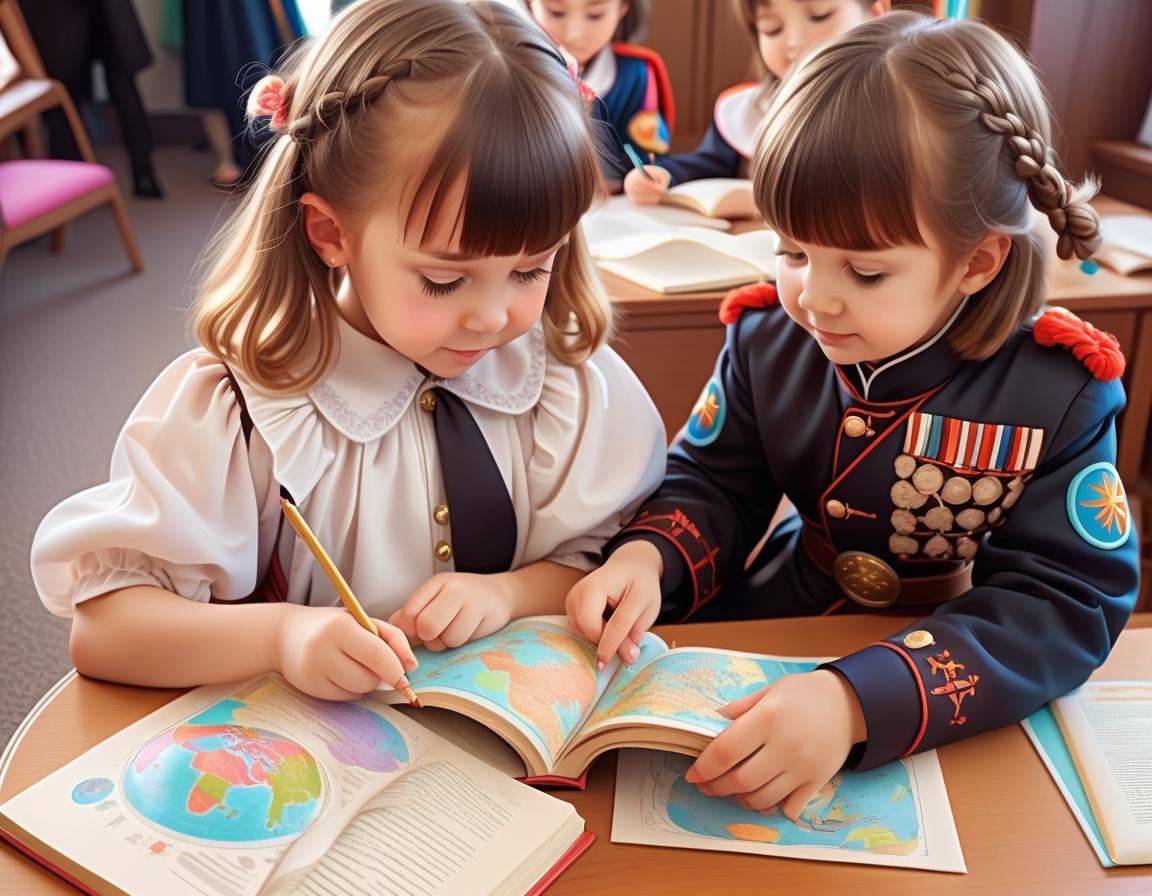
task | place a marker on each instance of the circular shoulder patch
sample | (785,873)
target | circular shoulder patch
(1098,507)
(707,416)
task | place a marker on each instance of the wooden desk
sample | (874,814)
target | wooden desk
(672,342)
(1016,830)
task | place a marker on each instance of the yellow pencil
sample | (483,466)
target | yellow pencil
(342,588)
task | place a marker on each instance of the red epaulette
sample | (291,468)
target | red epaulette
(663,81)
(1095,349)
(754,295)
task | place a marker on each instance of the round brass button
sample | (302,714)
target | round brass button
(917,639)
(866,579)
(836,509)
(854,426)
(443,551)
(440,514)
(428,400)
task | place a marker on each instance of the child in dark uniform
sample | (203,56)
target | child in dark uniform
(782,31)
(949,451)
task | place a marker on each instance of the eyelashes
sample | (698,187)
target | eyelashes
(867,281)
(440,290)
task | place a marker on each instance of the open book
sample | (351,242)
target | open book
(689,259)
(534,683)
(1107,726)
(253,789)
(716,197)
(1127,246)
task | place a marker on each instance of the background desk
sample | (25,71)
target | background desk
(672,342)
(1017,833)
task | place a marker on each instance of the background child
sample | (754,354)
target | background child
(439,411)
(631,81)
(941,446)
(782,31)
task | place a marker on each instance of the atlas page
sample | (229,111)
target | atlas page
(896,815)
(1108,728)
(238,790)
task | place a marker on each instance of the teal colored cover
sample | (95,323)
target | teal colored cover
(1045,735)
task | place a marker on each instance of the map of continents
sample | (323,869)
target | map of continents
(688,685)
(872,811)
(544,676)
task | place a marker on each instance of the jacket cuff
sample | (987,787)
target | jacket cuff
(892,698)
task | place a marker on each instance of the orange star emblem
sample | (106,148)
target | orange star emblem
(1112,505)
(707,409)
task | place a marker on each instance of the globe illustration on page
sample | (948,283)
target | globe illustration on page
(543,676)
(873,811)
(217,779)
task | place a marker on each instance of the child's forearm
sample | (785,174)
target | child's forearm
(540,588)
(148,636)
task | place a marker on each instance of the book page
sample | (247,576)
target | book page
(898,814)
(679,261)
(535,673)
(684,688)
(723,197)
(1108,728)
(451,825)
(205,795)
(618,217)
(1130,232)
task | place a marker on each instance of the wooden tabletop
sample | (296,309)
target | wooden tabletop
(1016,831)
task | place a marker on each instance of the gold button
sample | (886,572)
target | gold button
(866,579)
(428,400)
(443,551)
(917,639)
(440,514)
(836,509)
(855,426)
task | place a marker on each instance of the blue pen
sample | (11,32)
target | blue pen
(635,157)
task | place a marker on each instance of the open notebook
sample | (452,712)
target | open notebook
(716,197)
(1127,246)
(689,259)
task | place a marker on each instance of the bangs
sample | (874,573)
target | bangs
(832,168)
(529,169)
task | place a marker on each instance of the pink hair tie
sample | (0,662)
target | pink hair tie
(267,100)
(587,94)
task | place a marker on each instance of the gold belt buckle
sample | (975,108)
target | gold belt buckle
(866,579)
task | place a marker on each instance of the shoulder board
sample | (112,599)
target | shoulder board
(1095,349)
(754,295)
(659,71)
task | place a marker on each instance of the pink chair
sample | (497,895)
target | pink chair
(41,195)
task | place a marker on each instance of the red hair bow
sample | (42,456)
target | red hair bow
(267,101)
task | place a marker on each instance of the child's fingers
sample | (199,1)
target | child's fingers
(618,628)
(436,645)
(741,705)
(730,748)
(405,618)
(586,604)
(745,778)
(378,655)
(461,629)
(397,639)
(350,675)
(794,805)
(771,793)
(436,617)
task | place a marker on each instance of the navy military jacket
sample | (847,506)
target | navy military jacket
(930,469)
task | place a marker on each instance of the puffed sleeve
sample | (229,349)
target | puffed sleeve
(1053,588)
(180,509)
(598,449)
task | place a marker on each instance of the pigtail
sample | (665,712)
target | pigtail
(578,313)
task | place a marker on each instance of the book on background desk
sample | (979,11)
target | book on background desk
(1127,245)
(689,259)
(617,217)
(256,789)
(716,197)
(897,815)
(535,685)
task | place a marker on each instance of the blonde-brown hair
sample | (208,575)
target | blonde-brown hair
(905,120)
(513,130)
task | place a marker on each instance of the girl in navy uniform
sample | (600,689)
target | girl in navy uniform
(403,331)
(949,451)
(632,85)
(782,30)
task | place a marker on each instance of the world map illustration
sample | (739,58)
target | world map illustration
(873,811)
(689,686)
(217,779)
(544,676)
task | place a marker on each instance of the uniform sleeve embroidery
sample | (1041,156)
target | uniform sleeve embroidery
(699,555)
(954,688)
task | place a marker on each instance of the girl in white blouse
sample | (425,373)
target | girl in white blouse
(403,332)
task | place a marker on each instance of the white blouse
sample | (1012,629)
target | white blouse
(193,509)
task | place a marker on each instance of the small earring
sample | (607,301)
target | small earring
(331,262)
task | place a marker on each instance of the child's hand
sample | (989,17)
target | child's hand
(787,740)
(325,652)
(643,190)
(629,584)
(453,608)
